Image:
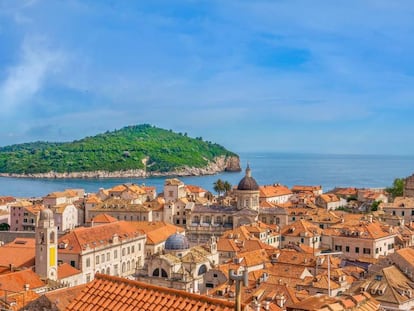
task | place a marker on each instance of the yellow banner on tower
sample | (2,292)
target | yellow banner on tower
(52,258)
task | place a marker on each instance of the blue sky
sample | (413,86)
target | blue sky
(289,76)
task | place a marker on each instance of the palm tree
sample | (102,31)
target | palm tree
(226,186)
(218,186)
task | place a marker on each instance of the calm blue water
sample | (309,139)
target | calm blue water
(267,168)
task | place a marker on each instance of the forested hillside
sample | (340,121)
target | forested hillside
(128,148)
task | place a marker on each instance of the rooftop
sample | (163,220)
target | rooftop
(110,293)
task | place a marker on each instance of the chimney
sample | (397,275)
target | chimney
(26,287)
(11,267)
(280,300)
(266,305)
(256,305)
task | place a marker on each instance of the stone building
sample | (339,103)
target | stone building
(180,266)
(409,186)
(205,221)
(115,248)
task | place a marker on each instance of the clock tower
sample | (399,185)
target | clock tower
(46,246)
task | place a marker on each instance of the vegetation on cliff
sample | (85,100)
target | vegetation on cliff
(133,147)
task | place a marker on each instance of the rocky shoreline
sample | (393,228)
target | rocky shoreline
(220,164)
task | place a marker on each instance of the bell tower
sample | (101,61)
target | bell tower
(46,246)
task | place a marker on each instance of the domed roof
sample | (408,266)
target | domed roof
(46,214)
(248,182)
(177,242)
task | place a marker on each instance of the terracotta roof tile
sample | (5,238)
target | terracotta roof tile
(143,297)
(90,237)
(66,270)
(15,281)
(19,253)
(273,191)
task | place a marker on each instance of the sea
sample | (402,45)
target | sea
(327,170)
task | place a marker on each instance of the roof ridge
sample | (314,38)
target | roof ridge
(135,283)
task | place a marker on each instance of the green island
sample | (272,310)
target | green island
(139,147)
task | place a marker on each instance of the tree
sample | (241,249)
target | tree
(397,188)
(218,186)
(227,186)
(375,205)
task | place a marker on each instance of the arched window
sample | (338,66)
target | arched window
(108,271)
(123,267)
(196,219)
(128,266)
(103,271)
(164,273)
(156,272)
(202,270)
(133,264)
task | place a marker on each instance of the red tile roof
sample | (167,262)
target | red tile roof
(103,218)
(156,231)
(115,293)
(66,270)
(273,191)
(15,281)
(91,237)
(19,253)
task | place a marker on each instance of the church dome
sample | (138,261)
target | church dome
(46,214)
(177,242)
(248,182)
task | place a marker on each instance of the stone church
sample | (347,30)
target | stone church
(205,221)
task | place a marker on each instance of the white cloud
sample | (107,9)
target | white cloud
(25,79)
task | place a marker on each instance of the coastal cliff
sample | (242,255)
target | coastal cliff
(219,164)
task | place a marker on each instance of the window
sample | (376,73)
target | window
(367,251)
(357,250)
(133,249)
(402,213)
(139,246)
(123,252)
(88,262)
(202,269)
(347,249)
(338,248)
(88,278)
(72,263)
(376,250)
(393,213)
(302,240)
(97,259)
(293,218)
(129,250)
(108,256)
(215,275)
(115,254)
(103,258)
